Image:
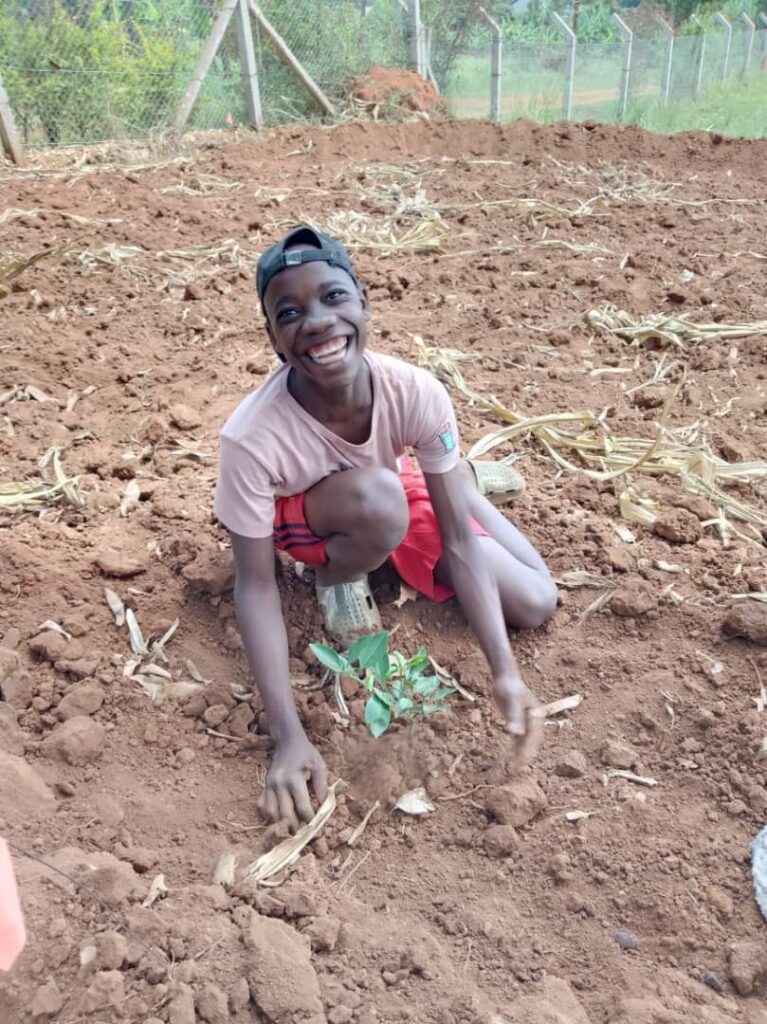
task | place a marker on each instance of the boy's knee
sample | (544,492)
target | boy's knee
(540,605)
(378,508)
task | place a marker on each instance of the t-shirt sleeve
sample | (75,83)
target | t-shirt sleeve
(244,498)
(435,430)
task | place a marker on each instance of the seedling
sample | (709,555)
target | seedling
(398,687)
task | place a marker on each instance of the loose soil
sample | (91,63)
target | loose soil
(495,908)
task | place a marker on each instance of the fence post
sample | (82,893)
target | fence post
(496,66)
(209,51)
(750,43)
(416,37)
(628,54)
(248,65)
(701,56)
(669,60)
(728,45)
(572,43)
(9,139)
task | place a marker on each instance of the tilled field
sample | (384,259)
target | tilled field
(126,348)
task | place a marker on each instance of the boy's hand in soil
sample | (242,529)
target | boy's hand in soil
(286,794)
(523,713)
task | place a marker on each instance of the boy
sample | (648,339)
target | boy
(312,463)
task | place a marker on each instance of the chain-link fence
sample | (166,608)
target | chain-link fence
(535,75)
(82,71)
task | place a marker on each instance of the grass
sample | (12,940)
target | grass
(532,89)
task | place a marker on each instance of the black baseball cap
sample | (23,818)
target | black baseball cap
(321,248)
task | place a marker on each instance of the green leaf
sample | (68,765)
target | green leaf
(425,686)
(372,652)
(403,704)
(432,709)
(330,659)
(444,691)
(377,716)
(419,660)
(384,696)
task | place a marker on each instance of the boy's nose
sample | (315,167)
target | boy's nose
(318,321)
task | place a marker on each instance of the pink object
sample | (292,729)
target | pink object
(12,932)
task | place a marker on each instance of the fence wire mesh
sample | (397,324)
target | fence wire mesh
(84,71)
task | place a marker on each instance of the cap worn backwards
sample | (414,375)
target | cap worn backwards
(275,259)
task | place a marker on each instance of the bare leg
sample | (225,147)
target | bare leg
(363,513)
(528,593)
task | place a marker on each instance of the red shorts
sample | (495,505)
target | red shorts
(414,558)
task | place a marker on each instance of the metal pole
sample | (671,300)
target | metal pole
(701,56)
(416,37)
(572,43)
(728,45)
(666,91)
(496,66)
(628,54)
(209,51)
(248,65)
(749,42)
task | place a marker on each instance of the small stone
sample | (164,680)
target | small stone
(748,620)
(678,526)
(559,868)
(517,803)
(736,808)
(500,841)
(49,645)
(196,706)
(626,940)
(117,564)
(618,755)
(323,933)
(82,700)
(210,574)
(215,715)
(721,902)
(77,741)
(571,765)
(47,1002)
(748,966)
(340,1015)
(633,600)
(651,397)
(710,979)
(240,720)
(184,416)
(12,739)
(283,985)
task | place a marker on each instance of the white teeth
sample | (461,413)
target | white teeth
(331,352)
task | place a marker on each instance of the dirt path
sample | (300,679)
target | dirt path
(129,350)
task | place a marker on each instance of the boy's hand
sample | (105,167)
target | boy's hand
(286,794)
(523,713)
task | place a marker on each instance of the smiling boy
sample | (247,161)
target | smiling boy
(312,463)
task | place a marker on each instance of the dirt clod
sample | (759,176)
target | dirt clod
(500,840)
(78,740)
(678,526)
(283,985)
(571,765)
(634,600)
(747,620)
(184,416)
(618,755)
(748,966)
(47,1002)
(517,803)
(22,791)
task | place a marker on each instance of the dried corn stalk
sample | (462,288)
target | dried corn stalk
(288,851)
(385,235)
(592,449)
(39,493)
(669,330)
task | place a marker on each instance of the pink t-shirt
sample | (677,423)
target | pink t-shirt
(271,447)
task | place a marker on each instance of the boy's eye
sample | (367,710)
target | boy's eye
(286,314)
(336,293)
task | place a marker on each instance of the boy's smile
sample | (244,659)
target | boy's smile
(317,319)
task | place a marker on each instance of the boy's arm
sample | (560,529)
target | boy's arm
(477,592)
(259,614)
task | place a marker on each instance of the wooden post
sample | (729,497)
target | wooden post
(8,135)
(496,66)
(572,44)
(209,51)
(248,65)
(288,58)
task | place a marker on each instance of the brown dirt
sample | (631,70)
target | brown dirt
(395,87)
(494,908)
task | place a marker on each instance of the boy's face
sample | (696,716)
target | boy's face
(317,318)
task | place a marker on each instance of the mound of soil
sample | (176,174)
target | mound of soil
(568,894)
(396,87)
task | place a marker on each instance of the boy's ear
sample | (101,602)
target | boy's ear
(365,300)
